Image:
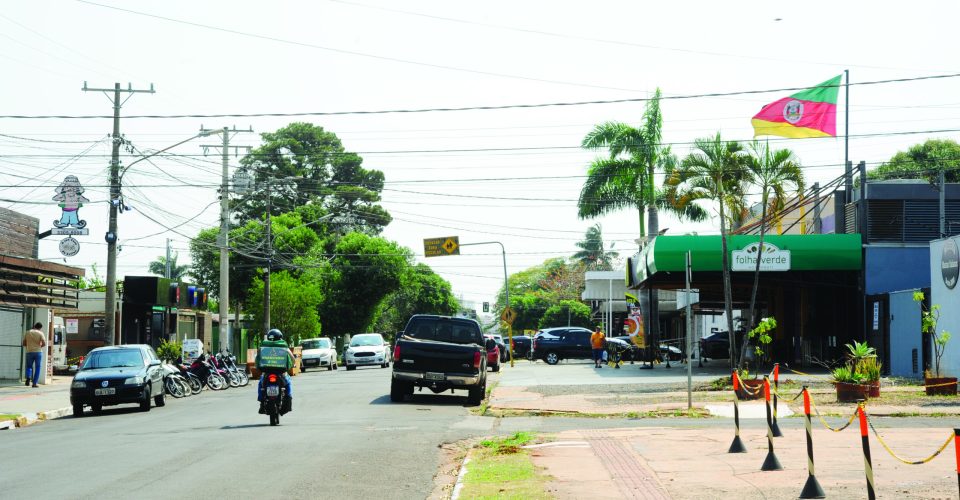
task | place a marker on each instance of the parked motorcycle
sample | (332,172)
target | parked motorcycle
(207,373)
(230,362)
(174,383)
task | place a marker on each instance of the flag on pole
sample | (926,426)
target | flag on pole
(808,113)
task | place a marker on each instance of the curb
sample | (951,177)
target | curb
(28,419)
(66,411)
(8,424)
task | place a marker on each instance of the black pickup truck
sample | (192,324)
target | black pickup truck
(440,353)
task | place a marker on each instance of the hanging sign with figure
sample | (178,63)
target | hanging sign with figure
(70,196)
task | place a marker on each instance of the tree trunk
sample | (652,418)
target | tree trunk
(756,280)
(643,230)
(727,287)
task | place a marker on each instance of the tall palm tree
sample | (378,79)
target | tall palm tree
(777,173)
(592,253)
(159,267)
(712,172)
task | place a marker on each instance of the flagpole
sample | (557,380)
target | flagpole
(846,121)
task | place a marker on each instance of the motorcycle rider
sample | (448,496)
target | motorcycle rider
(275,339)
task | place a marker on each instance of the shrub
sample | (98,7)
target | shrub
(169,351)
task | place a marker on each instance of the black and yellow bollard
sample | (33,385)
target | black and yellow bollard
(865,439)
(737,445)
(812,487)
(776,385)
(771,462)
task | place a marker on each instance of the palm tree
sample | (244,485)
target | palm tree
(627,178)
(592,254)
(712,172)
(159,267)
(774,172)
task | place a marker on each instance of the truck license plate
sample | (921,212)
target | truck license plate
(105,392)
(433,376)
(273,390)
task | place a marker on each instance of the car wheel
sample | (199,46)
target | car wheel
(303,368)
(330,367)
(496,367)
(351,367)
(552,358)
(78,410)
(399,389)
(476,394)
(158,400)
(145,402)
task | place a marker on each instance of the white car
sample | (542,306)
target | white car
(367,349)
(318,352)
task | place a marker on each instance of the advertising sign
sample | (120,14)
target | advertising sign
(634,327)
(273,357)
(73,326)
(192,349)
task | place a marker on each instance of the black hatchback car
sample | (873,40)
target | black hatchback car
(117,375)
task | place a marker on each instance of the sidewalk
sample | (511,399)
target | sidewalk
(692,462)
(31,404)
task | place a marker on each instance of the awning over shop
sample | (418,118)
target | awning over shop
(781,253)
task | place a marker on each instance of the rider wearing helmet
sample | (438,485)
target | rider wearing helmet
(274,338)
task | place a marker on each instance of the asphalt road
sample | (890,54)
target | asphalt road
(344,439)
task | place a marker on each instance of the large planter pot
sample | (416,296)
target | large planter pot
(850,393)
(873,389)
(756,390)
(941,386)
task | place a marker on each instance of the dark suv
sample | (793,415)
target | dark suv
(568,342)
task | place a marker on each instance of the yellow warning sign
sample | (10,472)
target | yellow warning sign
(438,247)
(508,315)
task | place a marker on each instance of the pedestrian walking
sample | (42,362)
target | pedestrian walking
(34,341)
(597,341)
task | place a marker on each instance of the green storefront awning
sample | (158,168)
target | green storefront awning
(791,252)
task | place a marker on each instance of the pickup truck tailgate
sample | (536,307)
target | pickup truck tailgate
(433,356)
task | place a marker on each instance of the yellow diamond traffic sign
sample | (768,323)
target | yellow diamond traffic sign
(508,315)
(438,247)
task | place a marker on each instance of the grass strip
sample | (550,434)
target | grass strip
(500,469)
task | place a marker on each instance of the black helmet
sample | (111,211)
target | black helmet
(274,335)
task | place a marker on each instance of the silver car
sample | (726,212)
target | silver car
(367,349)
(319,352)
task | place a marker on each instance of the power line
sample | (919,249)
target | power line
(482,108)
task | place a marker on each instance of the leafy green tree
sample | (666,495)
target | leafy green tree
(94,282)
(177,272)
(530,308)
(923,161)
(592,253)
(775,173)
(363,271)
(324,174)
(536,289)
(293,305)
(566,313)
(713,172)
(421,291)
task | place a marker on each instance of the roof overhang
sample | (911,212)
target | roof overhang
(783,253)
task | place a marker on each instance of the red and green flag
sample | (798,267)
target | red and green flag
(808,113)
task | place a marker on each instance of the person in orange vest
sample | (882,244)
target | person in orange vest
(597,341)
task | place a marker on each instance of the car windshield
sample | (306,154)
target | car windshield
(366,340)
(316,344)
(457,332)
(114,358)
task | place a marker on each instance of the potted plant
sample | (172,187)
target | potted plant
(862,360)
(761,333)
(934,381)
(849,384)
(870,369)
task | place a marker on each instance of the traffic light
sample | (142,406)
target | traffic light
(486,307)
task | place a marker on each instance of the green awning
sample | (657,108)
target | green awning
(791,252)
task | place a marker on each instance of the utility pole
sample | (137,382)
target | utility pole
(110,302)
(168,267)
(266,278)
(223,242)
(943,202)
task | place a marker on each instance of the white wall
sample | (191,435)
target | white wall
(949,300)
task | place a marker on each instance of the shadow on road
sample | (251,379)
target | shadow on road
(425,399)
(247,426)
